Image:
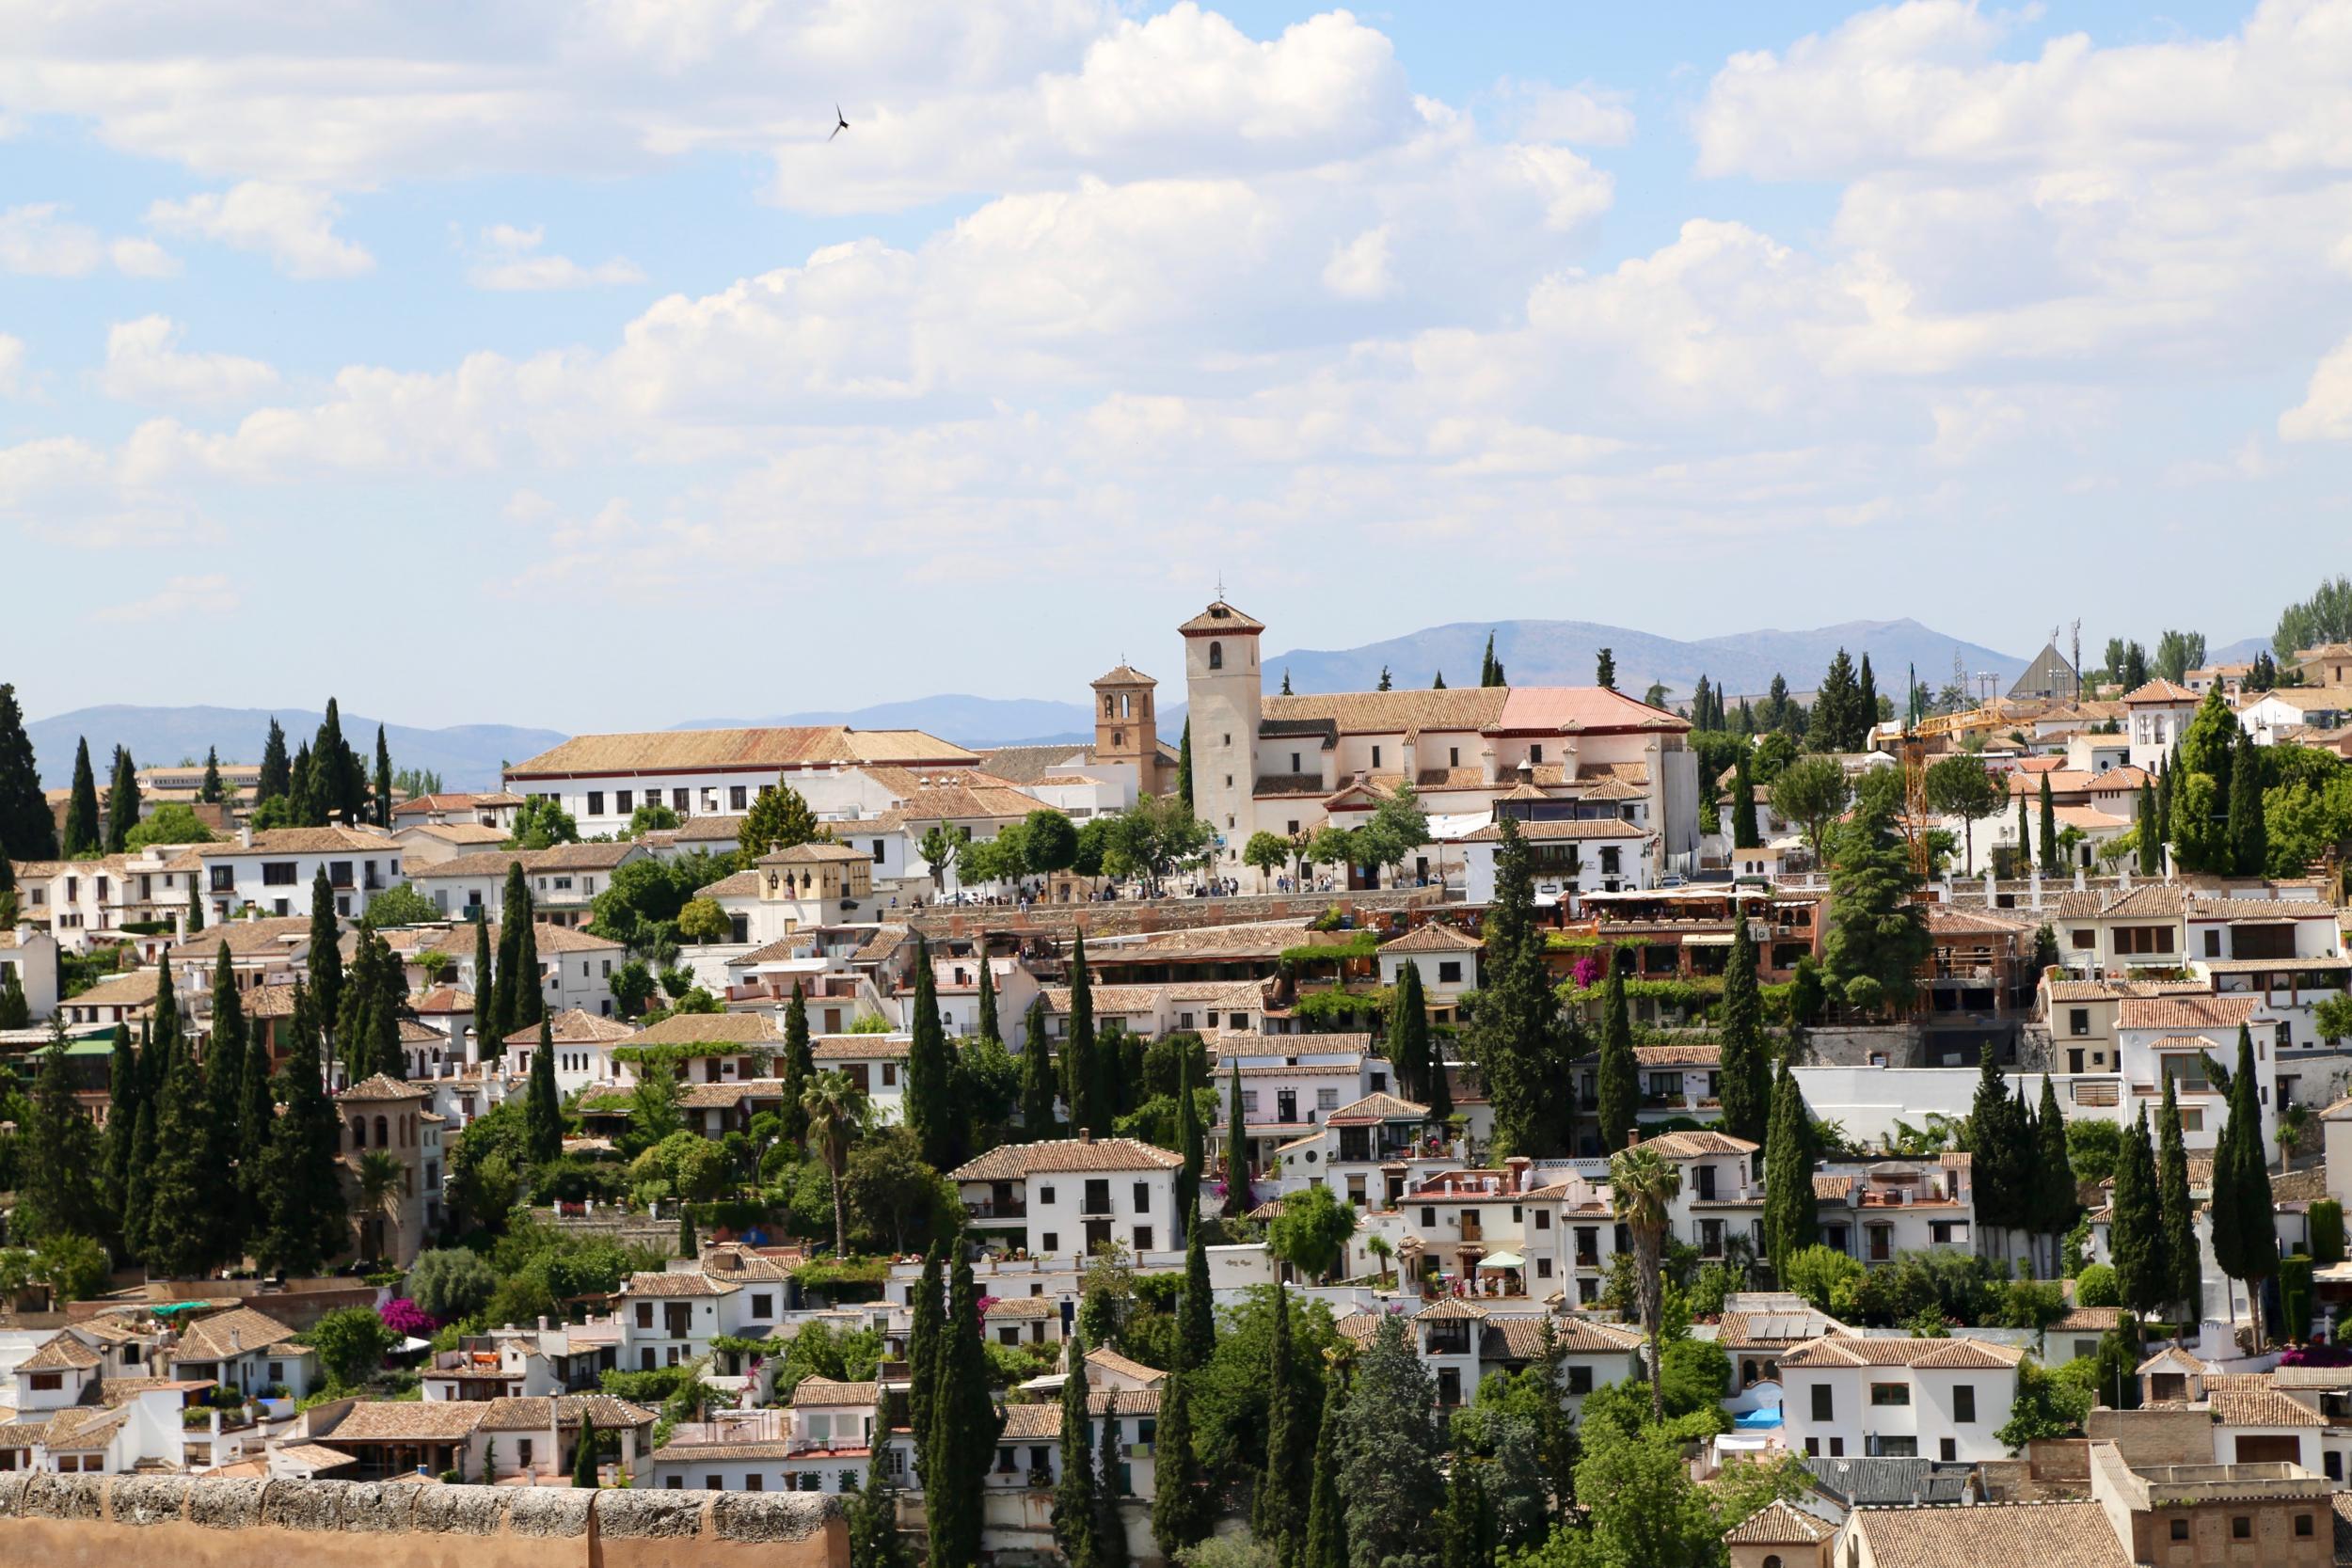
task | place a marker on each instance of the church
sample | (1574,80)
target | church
(1555,755)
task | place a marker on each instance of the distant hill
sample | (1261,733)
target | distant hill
(466,757)
(1564,653)
(974,721)
(2240,652)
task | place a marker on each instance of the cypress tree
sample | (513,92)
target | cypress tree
(1747,1083)
(1079,1073)
(126,1091)
(530,1001)
(584,1452)
(383,781)
(83,834)
(1437,684)
(183,1195)
(1462,1541)
(2151,824)
(122,802)
(2025,839)
(2178,1212)
(303,804)
(2142,1274)
(964,1423)
(504,1001)
(1326,1516)
(257,1116)
(1188,1143)
(2249,838)
(1182,1511)
(543,1108)
(138,1190)
(337,782)
(15,1011)
(225,1049)
(1409,1034)
(800,1066)
(687,1245)
(922,1351)
(1037,1078)
(27,830)
(485,988)
(1196,1311)
(1743,833)
(1279,1511)
(2053,1171)
(1619,1097)
(1791,1212)
(277,771)
(1604,671)
(307,1222)
(1440,1100)
(928,1114)
(213,791)
(987,997)
(2164,788)
(1073,1494)
(1867,706)
(1110,1528)
(874,1541)
(2049,846)
(327,952)
(1184,764)
(1238,1200)
(1523,1051)
(194,925)
(2244,1217)
(58,1192)
(1993,1174)
(1390,1442)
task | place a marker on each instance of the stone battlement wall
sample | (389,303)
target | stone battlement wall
(1131,917)
(197,1522)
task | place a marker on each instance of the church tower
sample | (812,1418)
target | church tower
(1222,684)
(1126,732)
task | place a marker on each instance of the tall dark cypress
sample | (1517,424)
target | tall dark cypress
(1238,1200)
(2245,1215)
(485,988)
(1182,1511)
(988,1027)
(930,1317)
(2134,1229)
(1868,704)
(2250,836)
(1073,1493)
(224,1051)
(2053,1203)
(122,802)
(529,997)
(211,792)
(182,1221)
(1791,1209)
(2151,824)
(194,925)
(964,1423)
(60,1192)
(1184,764)
(125,1093)
(1040,1083)
(1618,1095)
(1110,1485)
(1196,1307)
(326,951)
(1994,1170)
(257,1119)
(306,1219)
(383,791)
(27,831)
(2177,1211)
(543,1108)
(84,833)
(277,771)
(1326,1514)
(1747,1083)
(1743,829)
(337,782)
(799,1067)
(1077,1052)
(1409,1033)
(305,803)
(1278,1509)
(1188,1140)
(930,1114)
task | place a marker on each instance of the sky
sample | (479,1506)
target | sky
(547,362)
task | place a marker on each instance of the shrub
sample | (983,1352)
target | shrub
(2327,1221)
(2096,1287)
(351,1342)
(1817,1272)
(404,1317)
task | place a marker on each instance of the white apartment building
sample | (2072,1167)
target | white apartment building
(1070,1195)
(564,880)
(30,956)
(1446,958)
(875,1062)
(583,1046)
(1850,1396)
(2154,717)
(273,871)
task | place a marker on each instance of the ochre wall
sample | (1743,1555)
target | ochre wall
(184,1522)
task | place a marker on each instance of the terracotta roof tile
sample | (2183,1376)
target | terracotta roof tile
(2015,1535)
(1059,1156)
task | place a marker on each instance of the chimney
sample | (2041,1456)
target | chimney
(1519,1165)
(1086,1135)
(245,836)
(1633,1137)
(543,1323)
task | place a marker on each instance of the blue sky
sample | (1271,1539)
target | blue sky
(460,330)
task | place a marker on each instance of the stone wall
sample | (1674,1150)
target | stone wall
(1129,917)
(195,1522)
(2150,1438)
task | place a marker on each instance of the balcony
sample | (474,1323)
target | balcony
(985,1208)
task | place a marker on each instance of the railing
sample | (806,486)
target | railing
(985,1209)
(1588,1259)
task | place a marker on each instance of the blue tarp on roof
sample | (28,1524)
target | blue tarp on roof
(1759,1420)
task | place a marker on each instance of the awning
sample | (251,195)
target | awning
(1501,1260)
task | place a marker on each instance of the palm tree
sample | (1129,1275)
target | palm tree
(836,1108)
(1378,1246)
(1640,1184)
(2295,1125)
(381,1177)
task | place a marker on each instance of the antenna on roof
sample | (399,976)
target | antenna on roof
(1221,585)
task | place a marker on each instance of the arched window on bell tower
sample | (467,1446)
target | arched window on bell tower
(1217,655)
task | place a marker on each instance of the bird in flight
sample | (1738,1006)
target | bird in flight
(839,125)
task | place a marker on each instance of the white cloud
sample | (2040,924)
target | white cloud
(38,239)
(144,365)
(1584,116)
(510,260)
(177,600)
(12,383)
(1359,268)
(2325,412)
(293,226)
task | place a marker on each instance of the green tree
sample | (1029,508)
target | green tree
(1388,1444)
(2178,653)
(1110,1529)
(930,1115)
(1073,1513)
(15,1011)
(381,795)
(2184,1260)
(1961,785)
(191,1168)
(1604,672)
(1875,932)
(928,1320)
(84,835)
(2136,1231)
(58,1191)
(1641,1184)
(27,831)
(451,1283)
(874,1539)
(1325,1544)
(702,921)
(964,1423)
(2244,1214)
(506,1003)
(543,1106)
(125,1093)
(1279,1505)
(352,1342)
(275,774)
(2047,848)
(1310,1234)
(1238,1199)
(1618,1100)
(1038,1081)
(1838,723)
(835,1108)
(122,802)
(1747,1083)
(1409,1034)
(2149,832)
(303,1197)
(2249,839)
(1791,1212)
(1743,833)
(2052,1183)
(2201,792)
(1184,764)
(1516,1036)
(2325,617)
(1268,852)
(780,818)
(798,1065)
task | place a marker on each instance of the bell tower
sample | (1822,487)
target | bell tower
(1125,729)
(1222,683)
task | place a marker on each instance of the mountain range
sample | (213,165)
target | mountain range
(466,757)
(1533,653)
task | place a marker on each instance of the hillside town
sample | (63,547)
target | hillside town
(1852,1124)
